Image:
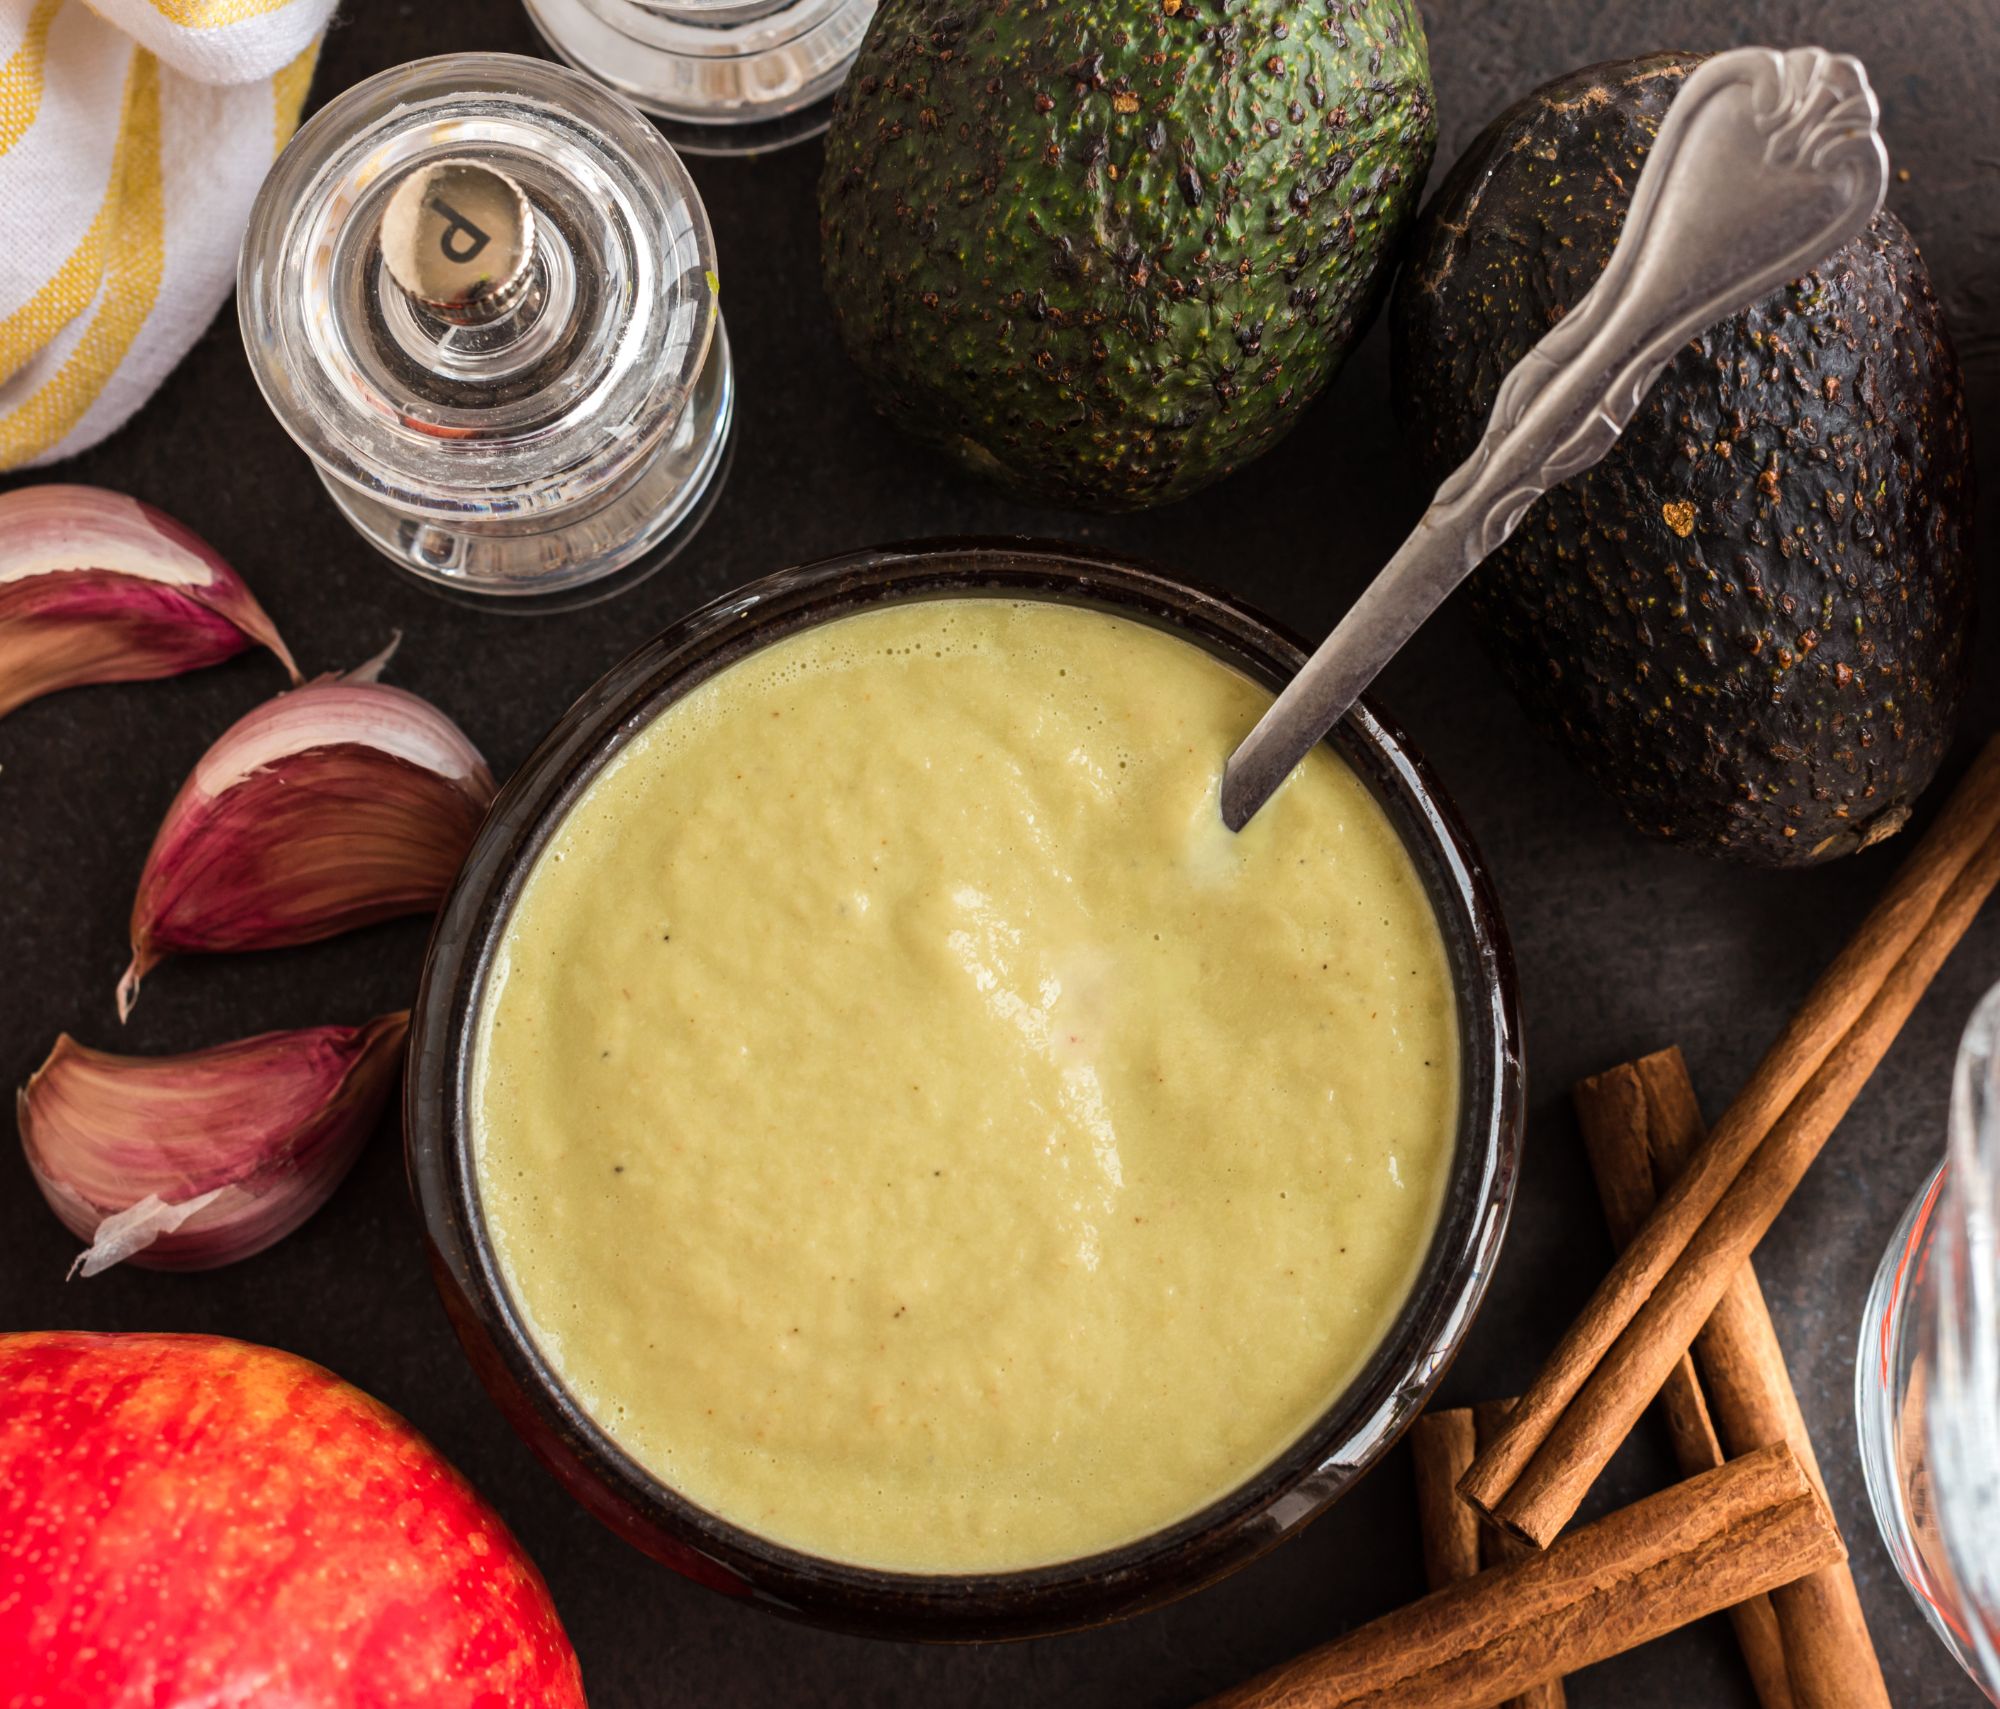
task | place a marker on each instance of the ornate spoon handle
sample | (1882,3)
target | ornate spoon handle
(1765,164)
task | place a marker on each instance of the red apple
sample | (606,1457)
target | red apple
(186,1520)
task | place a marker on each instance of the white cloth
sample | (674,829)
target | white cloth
(133,136)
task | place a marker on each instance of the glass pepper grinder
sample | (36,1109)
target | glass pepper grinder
(722,76)
(480,292)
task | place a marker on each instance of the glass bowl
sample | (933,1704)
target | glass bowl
(1353,1432)
(1927,1374)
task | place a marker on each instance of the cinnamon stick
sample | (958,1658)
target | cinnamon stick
(1829,1655)
(1629,1336)
(1633,1116)
(1455,1544)
(1496,1549)
(1612,1108)
(1441,1445)
(1696,1547)
(1555,1481)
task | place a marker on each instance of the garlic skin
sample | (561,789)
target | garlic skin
(97,587)
(190,1162)
(341,803)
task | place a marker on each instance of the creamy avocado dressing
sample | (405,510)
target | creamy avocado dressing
(917,1131)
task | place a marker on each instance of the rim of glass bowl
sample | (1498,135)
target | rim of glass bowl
(635,361)
(1301,1482)
(1891,1330)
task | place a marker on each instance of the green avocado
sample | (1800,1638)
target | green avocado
(1106,252)
(1751,621)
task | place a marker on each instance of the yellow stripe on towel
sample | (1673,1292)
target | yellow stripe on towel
(288,93)
(21,75)
(214,14)
(72,287)
(133,222)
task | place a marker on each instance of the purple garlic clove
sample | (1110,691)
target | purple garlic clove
(190,1162)
(97,587)
(341,803)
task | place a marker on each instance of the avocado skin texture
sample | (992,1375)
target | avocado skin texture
(1751,622)
(1104,253)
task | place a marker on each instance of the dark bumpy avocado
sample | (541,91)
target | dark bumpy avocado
(1105,251)
(1751,621)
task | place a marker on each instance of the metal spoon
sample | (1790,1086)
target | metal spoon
(1766,163)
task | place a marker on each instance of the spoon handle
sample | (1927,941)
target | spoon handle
(1766,162)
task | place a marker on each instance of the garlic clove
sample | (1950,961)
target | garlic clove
(341,803)
(189,1162)
(97,587)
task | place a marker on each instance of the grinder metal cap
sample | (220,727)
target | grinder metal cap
(459,238)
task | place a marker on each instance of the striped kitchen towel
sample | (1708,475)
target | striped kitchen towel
(133,135)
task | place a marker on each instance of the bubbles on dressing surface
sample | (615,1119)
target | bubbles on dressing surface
(838,646)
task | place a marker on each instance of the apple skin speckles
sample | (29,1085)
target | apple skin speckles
(191,1520)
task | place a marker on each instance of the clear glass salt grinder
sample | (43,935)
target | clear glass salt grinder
(480,292)
(1927,1374)
(723,76)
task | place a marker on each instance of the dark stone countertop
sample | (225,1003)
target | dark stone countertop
(1623,946)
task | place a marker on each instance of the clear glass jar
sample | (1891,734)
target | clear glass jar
(1927,1374)
(723,76)
(539,437)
